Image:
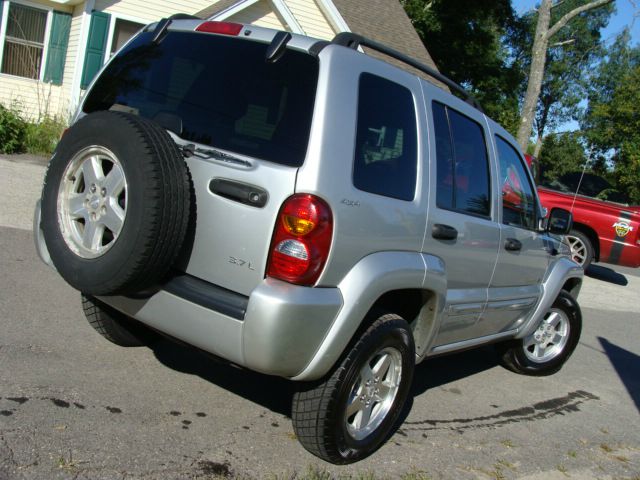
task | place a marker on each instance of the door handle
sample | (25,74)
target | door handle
(513,245)
(443,232)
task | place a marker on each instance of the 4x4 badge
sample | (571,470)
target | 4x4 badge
(622,228)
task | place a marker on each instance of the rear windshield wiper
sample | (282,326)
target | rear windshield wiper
(190,150)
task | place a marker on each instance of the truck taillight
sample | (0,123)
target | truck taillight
(222,28)
(301,240)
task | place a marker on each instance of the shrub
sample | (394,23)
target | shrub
(41,138)
(12,131)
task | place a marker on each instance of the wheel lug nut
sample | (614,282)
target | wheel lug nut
(103,192)
(93,188)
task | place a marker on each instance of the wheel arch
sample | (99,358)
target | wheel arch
(563,274)
(409,284)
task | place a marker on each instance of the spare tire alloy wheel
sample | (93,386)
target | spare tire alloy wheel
(92,202)
(116,204)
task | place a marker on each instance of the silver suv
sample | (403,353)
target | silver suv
(302,209)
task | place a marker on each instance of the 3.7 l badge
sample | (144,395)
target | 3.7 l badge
(241,263)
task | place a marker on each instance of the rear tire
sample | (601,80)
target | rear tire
(544,351)
(347,416)
(115,326)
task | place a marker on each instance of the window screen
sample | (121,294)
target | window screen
(386,139)
(461,162)
(122,32)
(24,41)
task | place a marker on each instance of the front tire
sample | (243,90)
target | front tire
(544,351)
(351,413)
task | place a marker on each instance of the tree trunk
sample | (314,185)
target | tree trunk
(536,74)
(538,147)
(538,58)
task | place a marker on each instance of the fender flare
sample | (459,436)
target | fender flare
(558,273)
(366,282)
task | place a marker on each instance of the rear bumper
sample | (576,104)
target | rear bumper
(277,330)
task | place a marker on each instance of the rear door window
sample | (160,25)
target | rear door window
(386,152)
(462,163)
(215,90)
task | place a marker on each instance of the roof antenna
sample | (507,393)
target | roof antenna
(277,47)
(584,169)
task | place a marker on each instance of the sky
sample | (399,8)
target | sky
(627,15)
(624,17)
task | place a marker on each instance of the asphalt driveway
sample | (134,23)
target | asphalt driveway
(73,405)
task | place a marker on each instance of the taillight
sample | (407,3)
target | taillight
(301,240)
(223,28)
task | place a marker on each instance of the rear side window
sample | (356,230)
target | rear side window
(462,163)
(215,90)
(386,139)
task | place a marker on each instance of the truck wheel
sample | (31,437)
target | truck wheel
(350,414)
(115,204)
(581,248)
(115,326)
(545,350)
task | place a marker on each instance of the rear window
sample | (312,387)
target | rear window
(215,90)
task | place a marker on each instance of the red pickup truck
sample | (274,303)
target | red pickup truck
(603,231)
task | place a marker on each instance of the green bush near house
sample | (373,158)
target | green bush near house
(41,138)
(12,131)
(19,136)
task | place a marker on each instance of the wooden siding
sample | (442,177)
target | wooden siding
(311,18)
(33,98)
(260,14)
(150,10)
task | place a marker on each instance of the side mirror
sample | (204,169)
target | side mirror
(560,221)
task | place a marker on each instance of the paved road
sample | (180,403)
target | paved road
(75,406)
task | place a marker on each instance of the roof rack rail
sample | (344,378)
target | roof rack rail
(353,40)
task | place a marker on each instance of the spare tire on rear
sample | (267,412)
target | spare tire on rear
(115,204)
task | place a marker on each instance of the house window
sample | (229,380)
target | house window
(24,41)
(122,32)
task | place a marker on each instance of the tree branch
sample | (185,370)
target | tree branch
(560,44)
(576,11)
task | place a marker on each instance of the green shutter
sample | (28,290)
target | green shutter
(96,46)
(57,51)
